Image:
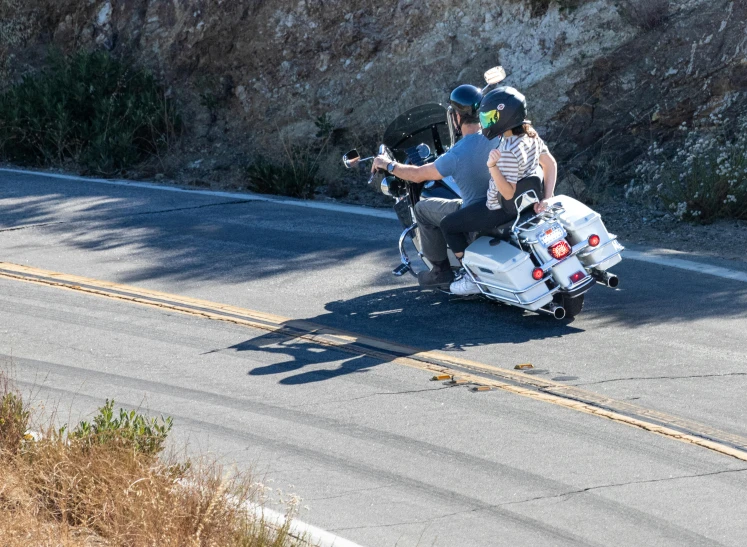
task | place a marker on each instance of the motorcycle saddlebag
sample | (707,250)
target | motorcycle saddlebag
(507,271)
(581,222)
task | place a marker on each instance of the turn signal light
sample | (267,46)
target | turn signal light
(594,240)
(560,250)
(538,274)
(578,276)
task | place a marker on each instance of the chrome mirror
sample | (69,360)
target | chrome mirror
(351,159)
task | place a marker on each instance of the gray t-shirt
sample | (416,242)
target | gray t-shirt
(466,162)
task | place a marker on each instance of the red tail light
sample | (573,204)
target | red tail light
(560,250)
(578,276)
(538,274)
(594,240)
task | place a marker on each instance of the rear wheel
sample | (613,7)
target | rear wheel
(572,306)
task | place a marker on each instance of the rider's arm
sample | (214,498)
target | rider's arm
(550,168)
(413,173)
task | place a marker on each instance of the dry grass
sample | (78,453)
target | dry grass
(66,491)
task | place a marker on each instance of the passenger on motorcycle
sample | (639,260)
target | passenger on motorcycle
(503,111)
(465,162)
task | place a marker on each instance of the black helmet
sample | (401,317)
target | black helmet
(502,109)
(465,100)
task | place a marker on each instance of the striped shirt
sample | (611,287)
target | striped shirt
(519,158)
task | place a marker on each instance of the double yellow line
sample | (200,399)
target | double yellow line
(438,363)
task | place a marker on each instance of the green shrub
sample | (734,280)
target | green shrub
(144,435)
(92,109)
(703,180)
(297,174)
(298,177)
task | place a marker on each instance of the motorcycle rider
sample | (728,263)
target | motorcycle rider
(503,111)
(466,163)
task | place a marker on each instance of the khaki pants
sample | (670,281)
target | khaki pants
(429,213)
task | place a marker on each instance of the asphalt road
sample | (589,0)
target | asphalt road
(380,454)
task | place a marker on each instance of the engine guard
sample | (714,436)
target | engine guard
(406,265)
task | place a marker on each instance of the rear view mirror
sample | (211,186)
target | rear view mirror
(495,75)
(351,159)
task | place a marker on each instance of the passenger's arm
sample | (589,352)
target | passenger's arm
(413,173)
(550,168)
(506,189)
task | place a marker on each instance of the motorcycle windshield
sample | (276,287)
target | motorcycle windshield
(423,124)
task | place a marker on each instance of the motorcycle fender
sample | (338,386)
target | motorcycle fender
(564,270)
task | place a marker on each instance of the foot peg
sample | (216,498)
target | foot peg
(401,270)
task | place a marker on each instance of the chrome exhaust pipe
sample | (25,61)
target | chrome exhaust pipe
(558,312)
(607,279)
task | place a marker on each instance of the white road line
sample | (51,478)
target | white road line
(643,256)
(352,209)
(310,535)
(689,265)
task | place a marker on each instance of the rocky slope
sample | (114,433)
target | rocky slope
(604,78)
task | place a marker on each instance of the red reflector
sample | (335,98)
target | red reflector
(560,250)
(594,240)
(578,276)
(538,274)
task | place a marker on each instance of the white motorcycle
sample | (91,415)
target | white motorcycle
(539,262)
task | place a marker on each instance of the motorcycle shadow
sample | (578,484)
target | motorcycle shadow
(420,320)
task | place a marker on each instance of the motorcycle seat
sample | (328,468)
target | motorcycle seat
(503,232)
(497,231)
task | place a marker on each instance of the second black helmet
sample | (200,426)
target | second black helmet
(502,109)
(465,100)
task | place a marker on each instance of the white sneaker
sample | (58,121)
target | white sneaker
(464,286)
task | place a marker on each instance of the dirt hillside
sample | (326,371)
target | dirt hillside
(604,78)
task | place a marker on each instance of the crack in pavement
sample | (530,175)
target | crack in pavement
(723,375)
(487,507)
(142,213)
(349,492)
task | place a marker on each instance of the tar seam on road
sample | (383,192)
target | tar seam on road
(473,372)
(650,256)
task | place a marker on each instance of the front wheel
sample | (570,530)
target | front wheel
(572,305)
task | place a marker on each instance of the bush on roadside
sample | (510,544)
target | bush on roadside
(703,180)
(298,177)
(90,109)
(296,173)
(129,429)
(108,483)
